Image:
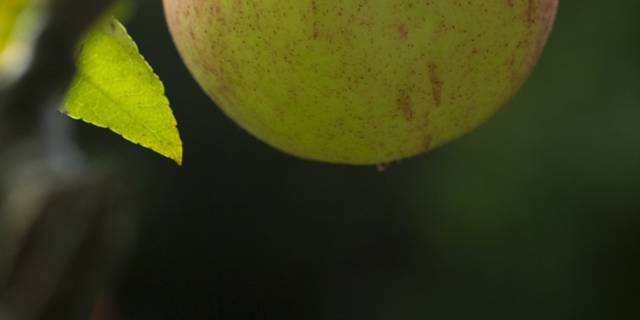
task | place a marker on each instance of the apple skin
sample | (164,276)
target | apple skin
(360,81)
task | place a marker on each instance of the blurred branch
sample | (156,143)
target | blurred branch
(62,221)
(51,65)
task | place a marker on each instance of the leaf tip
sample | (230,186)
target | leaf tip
(177,158)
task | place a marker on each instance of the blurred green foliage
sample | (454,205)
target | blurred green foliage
(536,215)
(9,11)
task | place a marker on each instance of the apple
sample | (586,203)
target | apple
(360,81)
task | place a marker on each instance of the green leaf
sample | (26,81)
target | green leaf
(116,88)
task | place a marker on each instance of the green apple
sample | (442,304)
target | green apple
(360,81)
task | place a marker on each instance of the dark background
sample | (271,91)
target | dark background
(536,215)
